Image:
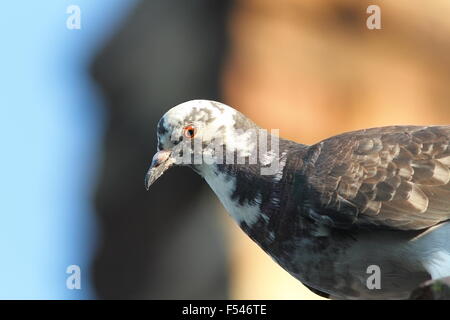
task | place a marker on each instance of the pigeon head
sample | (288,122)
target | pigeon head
(193,133)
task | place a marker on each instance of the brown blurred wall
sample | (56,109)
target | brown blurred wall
(167,243)
(312,69)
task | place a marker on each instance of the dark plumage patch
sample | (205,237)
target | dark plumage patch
(162,130)
(203,115)
(241,122)
(218,106)
(220,131)
(177,141)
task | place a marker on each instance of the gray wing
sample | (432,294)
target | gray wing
(395,177)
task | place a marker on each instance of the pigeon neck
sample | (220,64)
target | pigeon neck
(250,197)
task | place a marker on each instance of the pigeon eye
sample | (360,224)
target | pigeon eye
(189,132)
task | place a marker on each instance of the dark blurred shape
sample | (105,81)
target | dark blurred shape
(433,290)
(163,243)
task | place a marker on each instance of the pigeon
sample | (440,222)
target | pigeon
(360,215)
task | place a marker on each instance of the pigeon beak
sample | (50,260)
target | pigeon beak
(162,161)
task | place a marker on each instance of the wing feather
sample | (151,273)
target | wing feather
(396,177)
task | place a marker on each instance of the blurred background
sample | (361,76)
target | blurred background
(79,107)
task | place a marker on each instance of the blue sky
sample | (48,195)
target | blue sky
(50,134)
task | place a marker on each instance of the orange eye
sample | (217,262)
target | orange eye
(189,132)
